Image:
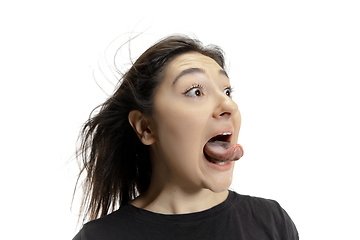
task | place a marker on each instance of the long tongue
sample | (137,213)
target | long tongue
(223,151)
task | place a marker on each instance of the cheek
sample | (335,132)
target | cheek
(176,117)
(238,119)
(237,125)
(179,132)
(181,128)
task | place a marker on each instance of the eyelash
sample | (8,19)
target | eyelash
(194,86)
(199,86)
(231,89)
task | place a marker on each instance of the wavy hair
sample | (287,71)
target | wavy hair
(115,163)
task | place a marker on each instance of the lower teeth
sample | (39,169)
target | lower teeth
(213,160)
(221,163)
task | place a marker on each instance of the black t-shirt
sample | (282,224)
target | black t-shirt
(238,217)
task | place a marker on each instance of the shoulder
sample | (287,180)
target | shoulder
(260,205)
(267,214)
(256,204)
(107,227)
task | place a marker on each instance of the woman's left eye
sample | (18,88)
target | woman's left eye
(227,91)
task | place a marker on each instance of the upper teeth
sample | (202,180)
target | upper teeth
(227,133)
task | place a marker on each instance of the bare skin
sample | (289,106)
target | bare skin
(191,105)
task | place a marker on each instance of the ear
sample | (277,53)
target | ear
(141,126)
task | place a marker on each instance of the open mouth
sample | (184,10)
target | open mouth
(213,149)
(220,150)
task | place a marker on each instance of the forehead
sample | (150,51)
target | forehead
(191,60)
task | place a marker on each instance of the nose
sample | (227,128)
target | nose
(225,107)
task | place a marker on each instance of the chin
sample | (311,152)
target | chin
(219,183)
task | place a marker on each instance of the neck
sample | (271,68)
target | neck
(173,199)
(170,192)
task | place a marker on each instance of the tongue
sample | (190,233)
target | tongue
(223,151)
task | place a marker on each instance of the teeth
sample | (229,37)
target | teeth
(224,134)
(221,163)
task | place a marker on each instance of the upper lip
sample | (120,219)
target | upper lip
(224,132)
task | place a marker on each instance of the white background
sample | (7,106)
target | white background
(295,66)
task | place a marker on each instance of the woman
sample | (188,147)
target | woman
(163,147)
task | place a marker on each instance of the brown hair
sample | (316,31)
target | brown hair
(116,164)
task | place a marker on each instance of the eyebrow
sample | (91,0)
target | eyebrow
(197,70)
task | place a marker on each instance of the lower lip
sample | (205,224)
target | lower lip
(222,168)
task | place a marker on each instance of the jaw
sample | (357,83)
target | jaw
(218,175)
(174,166)
(216,178)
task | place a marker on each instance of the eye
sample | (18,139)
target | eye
(194,91)
(228,91)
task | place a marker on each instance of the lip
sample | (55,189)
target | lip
(227,166)
(221,168)
(223,130)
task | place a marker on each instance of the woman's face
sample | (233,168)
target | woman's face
(191,106)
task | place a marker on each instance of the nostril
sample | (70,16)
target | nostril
(225,109)
(225,113)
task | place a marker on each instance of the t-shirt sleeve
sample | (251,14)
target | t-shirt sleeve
(96,230)
(289,228)
(78,236)
(85,233)
(274,220)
